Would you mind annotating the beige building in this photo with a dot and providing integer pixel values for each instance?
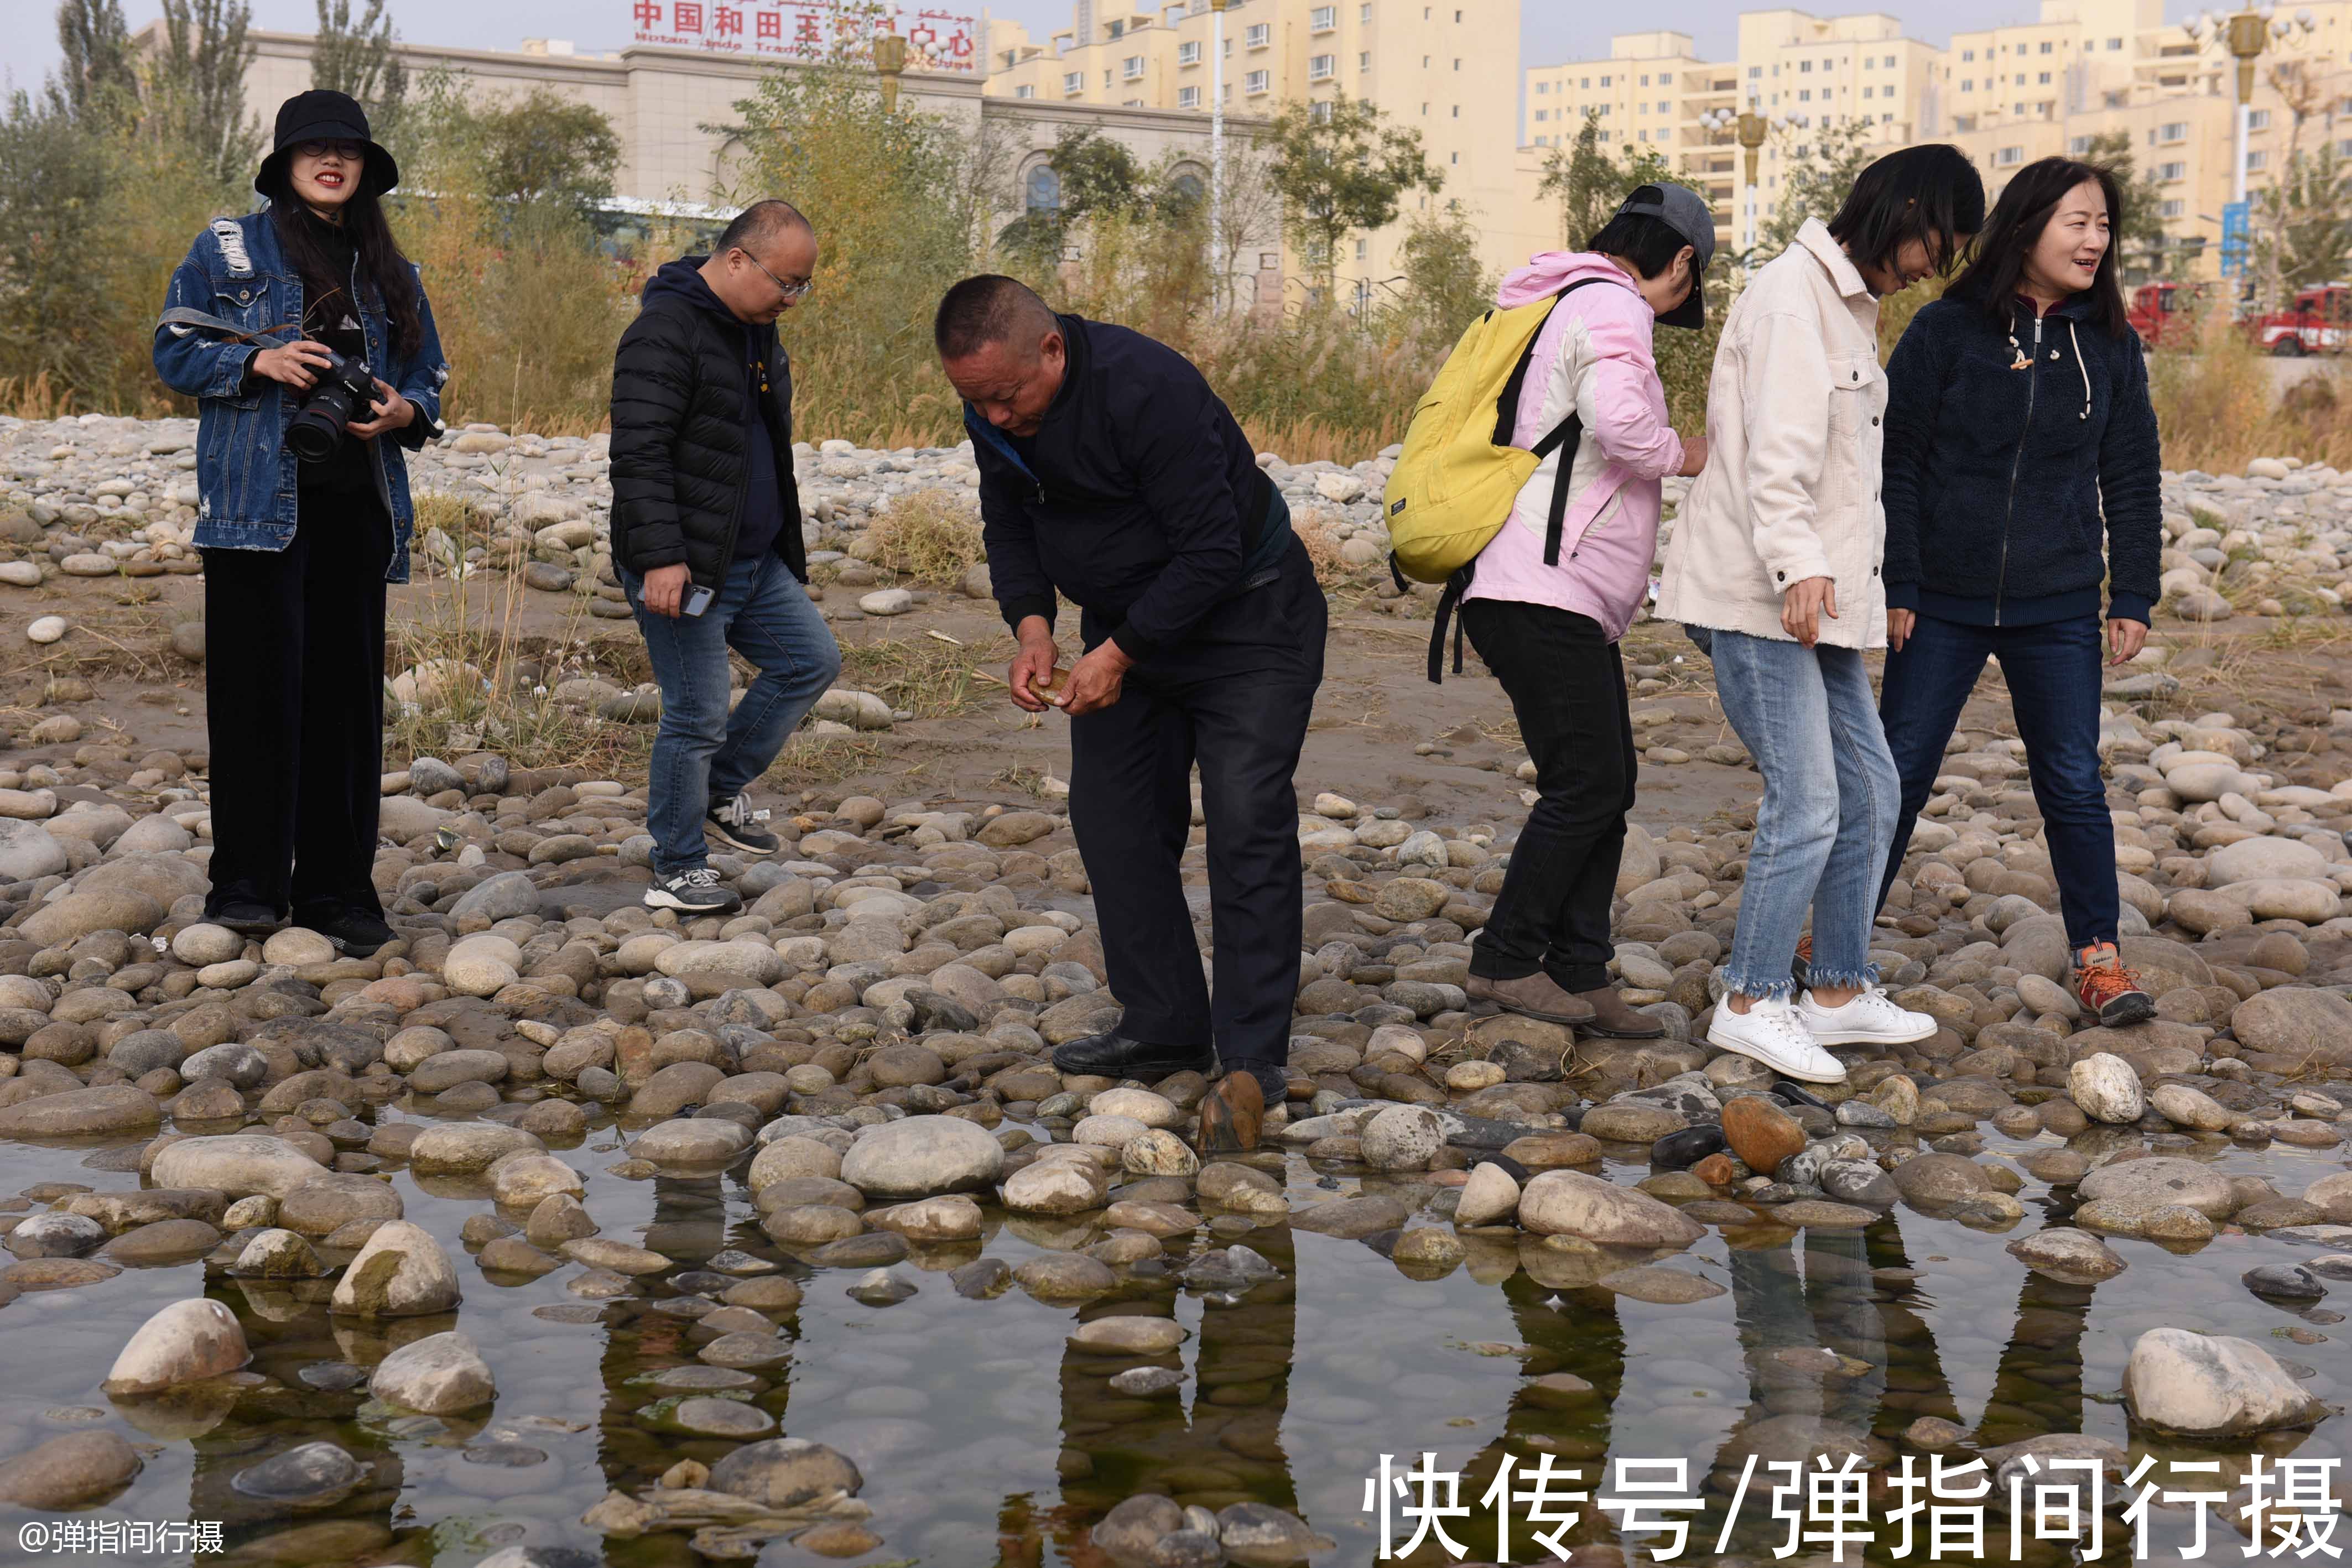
(2081, 71)
(660, 98)
(1439, 67)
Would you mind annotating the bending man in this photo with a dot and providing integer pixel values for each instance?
(1110, 471)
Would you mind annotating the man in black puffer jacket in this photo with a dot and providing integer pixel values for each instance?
(1110, 471)
(706, 539)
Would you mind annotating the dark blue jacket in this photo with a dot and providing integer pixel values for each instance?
(1995, 476)
(1138, 497)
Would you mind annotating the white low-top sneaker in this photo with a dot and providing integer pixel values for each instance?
(1772, 1033)
(1870, 1019)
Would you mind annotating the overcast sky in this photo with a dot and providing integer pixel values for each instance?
(1551, 30)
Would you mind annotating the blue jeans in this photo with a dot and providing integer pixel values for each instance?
(2053, 672)
(1828, 812)
(704, 755)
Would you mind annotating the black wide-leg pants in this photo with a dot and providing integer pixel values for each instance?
(294, 704)
(1235, 696)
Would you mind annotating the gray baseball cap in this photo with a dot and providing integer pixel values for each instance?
(1685, 211)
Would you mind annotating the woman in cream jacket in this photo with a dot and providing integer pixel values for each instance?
(1775, 560)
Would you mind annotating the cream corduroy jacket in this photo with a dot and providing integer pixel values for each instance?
(1792, 485)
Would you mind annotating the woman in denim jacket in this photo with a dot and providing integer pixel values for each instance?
(297, 552)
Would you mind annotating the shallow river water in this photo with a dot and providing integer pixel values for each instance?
(984, 1438)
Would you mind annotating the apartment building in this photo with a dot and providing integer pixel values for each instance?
(1448, 68)
(2079, 74)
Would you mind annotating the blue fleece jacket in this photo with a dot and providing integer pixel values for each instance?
(2011, 492)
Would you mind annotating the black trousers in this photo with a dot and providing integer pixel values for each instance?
(1567, 685)
(1235, 696)
(294, 704)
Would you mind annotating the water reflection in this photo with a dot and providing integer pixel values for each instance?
(985, 1435)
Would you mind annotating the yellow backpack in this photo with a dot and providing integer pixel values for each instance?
(1458, 475)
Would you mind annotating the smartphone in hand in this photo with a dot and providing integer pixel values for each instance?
(698, 599)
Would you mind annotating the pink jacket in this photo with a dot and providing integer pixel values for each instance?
(1593, 356)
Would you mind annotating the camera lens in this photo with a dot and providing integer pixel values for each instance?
(314, 432)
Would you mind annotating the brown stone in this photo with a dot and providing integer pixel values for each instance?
(1760, 1133)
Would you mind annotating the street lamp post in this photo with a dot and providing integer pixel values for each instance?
(1217, 134)
(2246, 36)
(890, 60)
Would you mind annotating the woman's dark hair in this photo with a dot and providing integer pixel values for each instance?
(380, 260)
(1651, 244)
(1930, 193)
(1996, 267)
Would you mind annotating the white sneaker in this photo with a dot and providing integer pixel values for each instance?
(1772, 1033)
(1870, 1019)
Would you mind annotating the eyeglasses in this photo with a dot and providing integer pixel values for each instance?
(791, 291)
(349, 152)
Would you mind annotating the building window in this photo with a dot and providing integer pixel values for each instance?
(1967, 56)
(2077, 146)
(1322, 67)
(2173, 131)
(1967, 84)
(1364, 13)
(1132, 67)
(1025, 90)
(1645, 80)
(1323, 18)
(1187, 97)
(1457, 111)
(2009, 157)
(1117, 29)
(1870, 92)
(2257, 159)
(1042, 192)
(2173, 209)
(1188, 54)
(2174, 171)
(1364, 60)
(1254, 83)
(2260, 120)
(1074, 81)
(1805, 66)
(2046, 46)
(1806, 96)
(1260, 33)
(1604, 81)
(1319, 113)
(2044, 81)
(1755, 72)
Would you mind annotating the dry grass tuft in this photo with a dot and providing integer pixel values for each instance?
(928, 535)
(928, 677)
(1314, 531)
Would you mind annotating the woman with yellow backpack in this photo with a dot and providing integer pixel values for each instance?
(1549, 595)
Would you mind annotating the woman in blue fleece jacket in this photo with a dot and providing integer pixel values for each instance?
(2021, 471)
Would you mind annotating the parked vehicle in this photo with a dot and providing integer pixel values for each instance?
(2165, 314)
(2318, 321)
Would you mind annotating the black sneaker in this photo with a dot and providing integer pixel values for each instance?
(696, 892)
(353, 933)
(246, 918)
(738, 825)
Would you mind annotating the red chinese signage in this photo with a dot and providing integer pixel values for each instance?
(937, 40)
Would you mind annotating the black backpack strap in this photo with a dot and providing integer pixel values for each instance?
(1448, 603)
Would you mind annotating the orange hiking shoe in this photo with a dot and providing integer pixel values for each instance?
(2110, 993)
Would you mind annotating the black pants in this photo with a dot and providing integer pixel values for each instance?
(1567, 685)
(1234, 695)
(294, 704)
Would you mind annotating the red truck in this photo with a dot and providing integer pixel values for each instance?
(2319, 321)
(2165, 314)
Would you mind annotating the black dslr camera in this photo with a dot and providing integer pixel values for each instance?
(345, 387)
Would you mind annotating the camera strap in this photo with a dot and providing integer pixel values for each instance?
(181, 317)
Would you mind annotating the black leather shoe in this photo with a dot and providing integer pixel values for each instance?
(246, 918)
(1114, 1055)
(356, 933)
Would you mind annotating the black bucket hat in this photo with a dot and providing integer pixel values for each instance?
(321, 116)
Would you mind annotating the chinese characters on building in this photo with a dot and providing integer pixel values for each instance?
(937, 40)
